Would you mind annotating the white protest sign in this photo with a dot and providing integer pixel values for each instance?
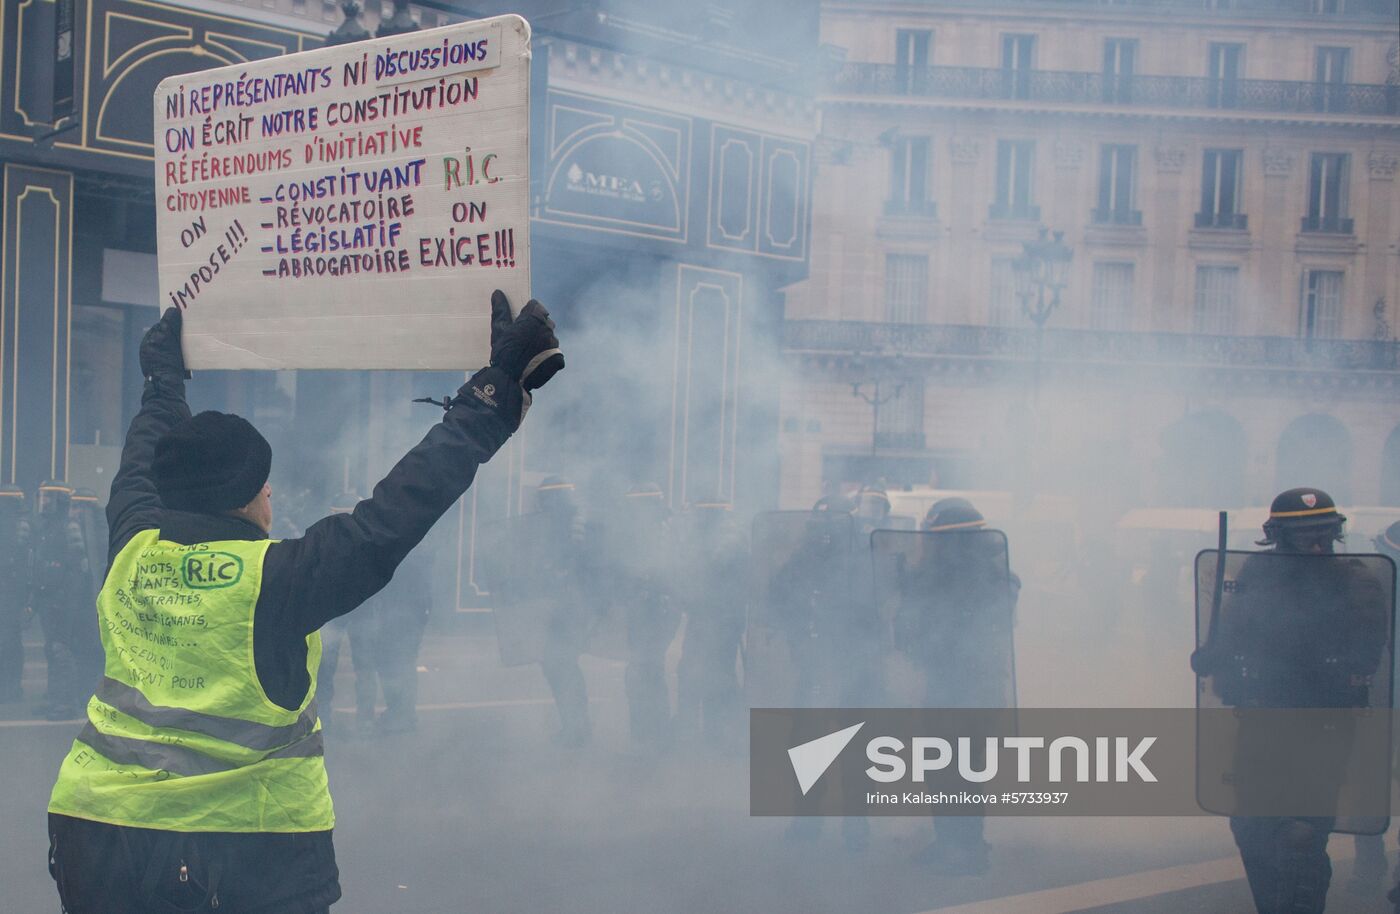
(348, 207)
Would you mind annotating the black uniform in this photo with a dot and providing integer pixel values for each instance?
(61, 596)
(953, 620)
(714, 596)
(15, 553)
(1305, 632)
(385, 635)
(636, 573)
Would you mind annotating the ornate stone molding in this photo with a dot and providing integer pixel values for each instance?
(1170, 159)
(965, 149)
(1278, 163)
(1382, 165)
(1068, 155)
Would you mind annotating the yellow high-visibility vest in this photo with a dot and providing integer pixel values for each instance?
(180, 735)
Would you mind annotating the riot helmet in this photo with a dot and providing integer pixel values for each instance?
(55, 498)
(1388, 542)
(827, 514)
(834, 505)
(555, 495)
(11, 500)
(1303, 520)
(952, 514)
(345, 502)
(872, 504)
(85, 498)
(645, 500)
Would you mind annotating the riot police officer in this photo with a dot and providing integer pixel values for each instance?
(15, 550)
(1300, 634)
(570, 619)
(92, 523)
(60, 584)
(639, 567)
(954, 617)
(713, 587)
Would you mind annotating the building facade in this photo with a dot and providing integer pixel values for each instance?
(670, 165)
(1224, 171)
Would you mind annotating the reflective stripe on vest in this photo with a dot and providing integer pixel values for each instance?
(180, 734)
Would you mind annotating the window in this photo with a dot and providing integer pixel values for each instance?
(1224, 74)
(1321, 315)
(1002, 306)
(1221, 178)
(899, 421)
(1330, 78)
(1016, 65)
(1111, 305)
(911, 59)
(1327, 194)
(909, 160)
(1117, 179)
(1119, 55)
(906, 288)
(1015, 160)
(1216, 288)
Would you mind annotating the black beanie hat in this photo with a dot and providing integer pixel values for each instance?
(211, 463)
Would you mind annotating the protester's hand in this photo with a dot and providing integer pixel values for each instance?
(161, 356)
(525, 347)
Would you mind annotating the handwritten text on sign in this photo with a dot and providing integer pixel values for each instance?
(349, 207)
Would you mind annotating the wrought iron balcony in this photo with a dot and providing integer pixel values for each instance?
(1329, 225)
(1024, 212)
(1117, 216)
(912, 209)
(1237, 222)
(1088, 346)
(1066, 87)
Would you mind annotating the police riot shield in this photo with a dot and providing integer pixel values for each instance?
(1295, 670)
(950, 599)
(796, 644)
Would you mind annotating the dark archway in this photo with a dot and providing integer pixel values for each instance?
(1315, 450)
(1390, 469)
(1203, 461)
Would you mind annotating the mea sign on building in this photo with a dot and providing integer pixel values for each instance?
(349, 207)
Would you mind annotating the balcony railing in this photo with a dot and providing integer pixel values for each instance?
(1237, 222)
(1025, 212)
(913, 209)
(1065, 87)
(1330, 225)
(1117, 216)
(1103, 346)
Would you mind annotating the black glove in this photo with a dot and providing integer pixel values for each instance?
(161, 357)
(525, 348)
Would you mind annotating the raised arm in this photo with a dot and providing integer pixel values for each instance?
(344, 559)
(133, 504)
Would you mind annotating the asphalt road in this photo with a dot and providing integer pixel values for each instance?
(478, 812)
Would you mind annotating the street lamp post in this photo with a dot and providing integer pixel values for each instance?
(875, 398)
(1041, 274)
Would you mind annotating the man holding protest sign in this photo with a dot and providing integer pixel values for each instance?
(198, 783)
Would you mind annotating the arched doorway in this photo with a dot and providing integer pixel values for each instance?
(1203, 461)
(1390, 469)
(1315, 450)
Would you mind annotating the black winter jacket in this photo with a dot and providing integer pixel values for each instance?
(341, 561)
